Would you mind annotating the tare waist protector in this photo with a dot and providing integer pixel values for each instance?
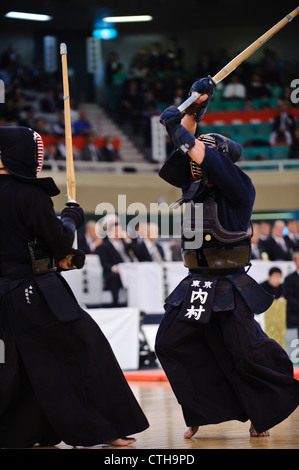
(219, 248)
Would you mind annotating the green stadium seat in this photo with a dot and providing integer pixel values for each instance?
(251, 153)
(279, 153)
(246, 137)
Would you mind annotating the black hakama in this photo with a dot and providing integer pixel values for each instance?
(60, 380)
(225, 369)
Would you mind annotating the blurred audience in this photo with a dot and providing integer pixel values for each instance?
(117, 247)
(149, 249)
(256, 247)
(291, 293)
(284, 125)
(234, 90)
(91, 152)
(113, 67)
(82, 126)
(274, 284)
(264, 230)
(275, 245)
(292, 236)
(257, 88)
(109, 153)
(89, 242)
(156, 78)
(294, 147)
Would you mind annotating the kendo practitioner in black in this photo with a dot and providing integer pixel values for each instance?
(60, 380)
(219, 362)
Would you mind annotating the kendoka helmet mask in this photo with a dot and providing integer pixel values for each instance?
(39, 151)
(219, 142)
(22, 155)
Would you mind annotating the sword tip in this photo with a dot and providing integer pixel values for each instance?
(63, 48)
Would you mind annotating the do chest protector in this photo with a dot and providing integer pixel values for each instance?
(220, 249)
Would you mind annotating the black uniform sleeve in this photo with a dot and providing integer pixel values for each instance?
(290, 293)
(42, 221)
(228, 177)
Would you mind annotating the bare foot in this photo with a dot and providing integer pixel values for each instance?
(126, 441)
(190, 432)
(254, 433)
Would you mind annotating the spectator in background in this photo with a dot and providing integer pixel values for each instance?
(174, 56)
(9, 111)
(27, 118)
(112, 68)
(116, 248)
(275, 246)
(294, 147)
(91, 152)
(19, 98)
(256, 248)
(284, 124)
(264, 231)
(58, 127)
(10, 57)
(41, 126)
(139, 64)
(156, 59)
(49, 104)
(273, 284)
(292, 237)
(257, 89)
(175, 248)
(51, 156)
(149, 249)
(130, 105)
(89, 242)
(280, 138)
(108, 153)
(150, 108)
(205, 65)
(234, 90)
(61, 148)
(82, 126)
(271, 67)
(291, 293)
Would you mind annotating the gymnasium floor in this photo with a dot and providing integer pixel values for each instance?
(167, 425)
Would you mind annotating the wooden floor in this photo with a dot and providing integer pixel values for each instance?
(167, 426)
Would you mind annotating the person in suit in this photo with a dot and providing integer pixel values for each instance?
(291, 293)
(89, 241)
(275, 246)
(91, 152)
(292, 237)
(116, 248)
(149, 249)
(256, 247)
(284, 123)
(108, 153)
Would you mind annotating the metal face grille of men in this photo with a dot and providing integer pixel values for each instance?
(220, 363)
(60, 380)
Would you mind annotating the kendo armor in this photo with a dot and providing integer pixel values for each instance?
(220, 249)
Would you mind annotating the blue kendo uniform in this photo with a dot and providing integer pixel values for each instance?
(219, 362)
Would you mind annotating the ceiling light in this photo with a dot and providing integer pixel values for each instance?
(104, 33)
(127, 19)
(27, 16)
